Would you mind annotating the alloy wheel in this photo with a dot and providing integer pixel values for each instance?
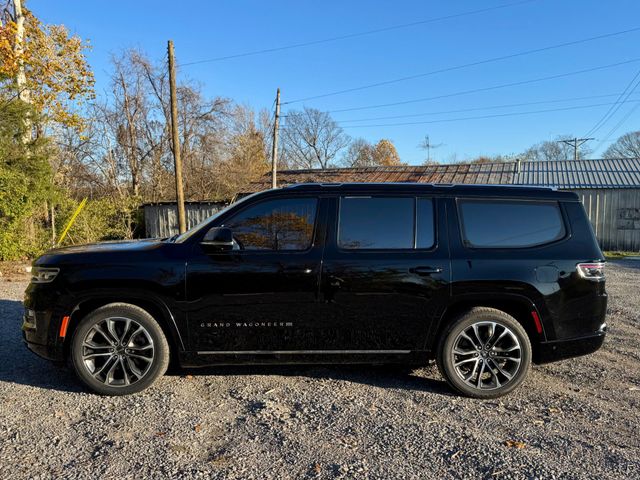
(486, 355)
(118, 351)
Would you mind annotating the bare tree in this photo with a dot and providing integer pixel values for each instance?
(359, 154)
(125, 149)
(312, 139)
(247, 151)
(626, 146)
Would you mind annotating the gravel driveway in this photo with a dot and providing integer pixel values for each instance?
(575, 419)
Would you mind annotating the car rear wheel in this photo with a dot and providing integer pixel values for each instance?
(485, 353)
(119, 349)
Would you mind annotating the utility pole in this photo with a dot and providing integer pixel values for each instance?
(175, 141)
(575, 143)
(274, 146)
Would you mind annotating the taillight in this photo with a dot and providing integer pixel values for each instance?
(591, 270)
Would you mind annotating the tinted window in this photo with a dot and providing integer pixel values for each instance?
(510, 223)
(376, 222)
(425, 228)
(285, 224)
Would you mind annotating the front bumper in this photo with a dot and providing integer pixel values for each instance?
(39, 332)
(553, 351)
(48, 352)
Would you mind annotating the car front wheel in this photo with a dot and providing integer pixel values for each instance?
(485, 353)
(119, 349)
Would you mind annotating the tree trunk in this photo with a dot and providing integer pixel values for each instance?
(21, 79)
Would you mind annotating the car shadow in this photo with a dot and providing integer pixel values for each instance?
(20, 366)
(384, 376)
(626, 262)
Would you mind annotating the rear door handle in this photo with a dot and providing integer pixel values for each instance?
(306, 269)
(424, 271)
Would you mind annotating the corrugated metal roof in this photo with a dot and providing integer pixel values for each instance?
(604, 173)
(616, 173)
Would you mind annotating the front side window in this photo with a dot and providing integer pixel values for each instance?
(282, 224)
(509, 223)
(376, 223)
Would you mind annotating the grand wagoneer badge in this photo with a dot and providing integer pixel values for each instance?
(245, 324)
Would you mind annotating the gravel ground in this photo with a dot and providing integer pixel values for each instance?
(574, 419)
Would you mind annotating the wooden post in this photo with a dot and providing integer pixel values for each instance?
(175, 141)
(274, 147)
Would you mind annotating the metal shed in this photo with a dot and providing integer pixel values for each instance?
(161, 219)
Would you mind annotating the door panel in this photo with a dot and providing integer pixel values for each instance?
(247, 300)
(384, 299)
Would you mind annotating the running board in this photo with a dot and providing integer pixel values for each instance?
(304, 352)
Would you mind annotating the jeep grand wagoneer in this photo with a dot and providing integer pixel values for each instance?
(483, 279)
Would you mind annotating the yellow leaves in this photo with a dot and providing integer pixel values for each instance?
(515, 444)
(57, 72)
(385, 154)
(8, 59)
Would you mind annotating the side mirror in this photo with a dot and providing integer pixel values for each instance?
(219, 238)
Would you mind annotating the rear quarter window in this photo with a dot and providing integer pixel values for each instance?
(510, 223)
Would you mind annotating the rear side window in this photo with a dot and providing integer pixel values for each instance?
(283, 224)
(510, 224)
(367, 223)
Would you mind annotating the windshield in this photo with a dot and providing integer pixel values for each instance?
(192, 231)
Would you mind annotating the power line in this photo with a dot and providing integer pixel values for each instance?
(621, 122)
(475, 109)
(616, 127)
(356, 34)
(613, 109)
(480, 117)
(466, 65)
(485, 89)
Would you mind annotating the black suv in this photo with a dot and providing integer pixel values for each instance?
(485, 279)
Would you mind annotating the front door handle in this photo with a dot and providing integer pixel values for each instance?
(425, 271)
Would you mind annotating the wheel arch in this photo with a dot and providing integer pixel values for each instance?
(518, 306)
(149, 302)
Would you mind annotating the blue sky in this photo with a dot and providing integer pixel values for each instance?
(206, 29)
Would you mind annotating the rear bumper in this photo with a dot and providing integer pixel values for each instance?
(553, 351)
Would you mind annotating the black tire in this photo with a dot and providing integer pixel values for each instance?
(137, 359)
(505, 365)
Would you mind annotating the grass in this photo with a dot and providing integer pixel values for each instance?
(616, 255)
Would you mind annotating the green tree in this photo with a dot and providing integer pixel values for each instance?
(25, 185)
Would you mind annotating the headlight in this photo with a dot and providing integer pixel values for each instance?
(43, 275)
